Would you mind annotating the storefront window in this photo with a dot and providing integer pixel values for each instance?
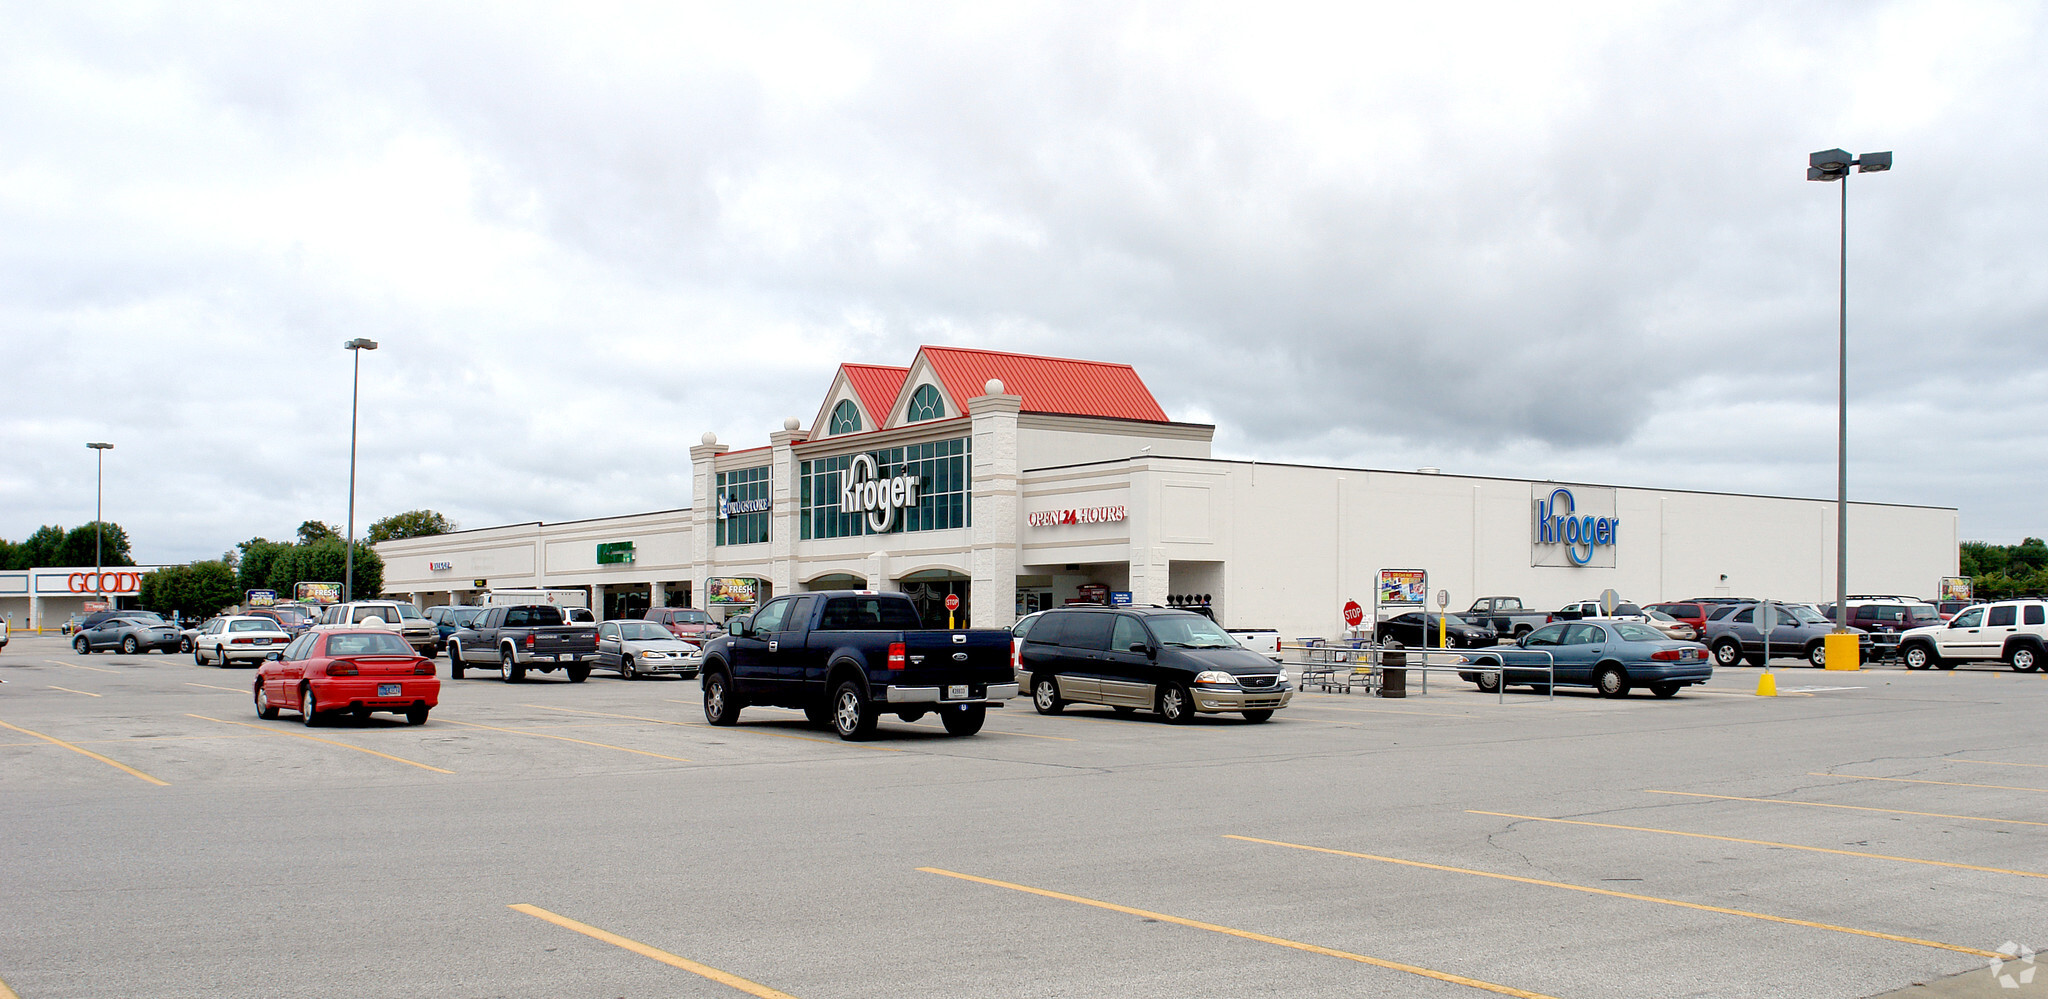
(845, 418)
(743, 506)
(942, 500)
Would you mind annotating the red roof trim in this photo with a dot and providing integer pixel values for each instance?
(1053, 385)
(877, 386)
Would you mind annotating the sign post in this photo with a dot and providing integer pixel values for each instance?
(1443, 624)
(952, 604)
(1766, 619)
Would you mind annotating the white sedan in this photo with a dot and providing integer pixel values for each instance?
(225, 639)
(637, 648)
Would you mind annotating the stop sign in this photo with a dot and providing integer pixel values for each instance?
(952, 601)
(1354, 615)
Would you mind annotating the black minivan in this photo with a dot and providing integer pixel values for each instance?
(1174, 662)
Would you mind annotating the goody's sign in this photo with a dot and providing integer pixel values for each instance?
(1573, 526)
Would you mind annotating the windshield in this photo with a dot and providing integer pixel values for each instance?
(408, 611)
(691, 617)
(462, 618)
(367, 644)
(1804, 614)
(143, 616)
(1631, 632)
(1925, 614)
(642, 631)
(1191, 631)
(251, 624)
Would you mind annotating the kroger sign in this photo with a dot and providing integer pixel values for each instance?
(865, 491)
(1574, 527)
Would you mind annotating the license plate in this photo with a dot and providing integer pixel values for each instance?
(956, 693)
(543, 659)
(387, 690)
(263, 641)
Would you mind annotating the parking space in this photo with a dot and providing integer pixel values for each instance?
(551, 838)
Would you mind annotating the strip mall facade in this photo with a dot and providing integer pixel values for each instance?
(1016, 483)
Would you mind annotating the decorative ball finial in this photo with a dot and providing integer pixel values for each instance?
(709, 437)
(994, 386)
(792, 423)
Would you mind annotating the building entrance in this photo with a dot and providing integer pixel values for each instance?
(929, 591)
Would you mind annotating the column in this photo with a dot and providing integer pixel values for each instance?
(703, 514)
(992, 586)
(657, 595)
(1148, 554)
(783, 511)
(597, 600)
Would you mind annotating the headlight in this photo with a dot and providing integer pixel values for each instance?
(1215, 676)
(1283, 676)
(649, 654)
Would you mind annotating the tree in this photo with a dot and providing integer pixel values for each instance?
(78, 546)
(314, 531)
(195, 591)
(410, 524)
(323, 562)
(258, 557)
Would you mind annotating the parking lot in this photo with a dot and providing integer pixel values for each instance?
(1861, 833)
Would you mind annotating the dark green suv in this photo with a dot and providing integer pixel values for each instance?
(1175, 662)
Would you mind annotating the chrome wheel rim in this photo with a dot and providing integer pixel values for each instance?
(262, 698)
(714, 699)
(846, 711)
(1170, 703)
(306, 706)
(1043, 693)
(2023, 660)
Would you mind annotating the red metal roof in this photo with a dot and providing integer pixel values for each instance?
(1056, 385)
(877, 386)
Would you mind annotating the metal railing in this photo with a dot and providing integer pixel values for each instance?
(1340, 666)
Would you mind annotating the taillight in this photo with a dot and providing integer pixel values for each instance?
(423, 667)
(341, 668)
(243, 641)
(896, 657)
(1016, 655)
(529, 641)
(1668, 655)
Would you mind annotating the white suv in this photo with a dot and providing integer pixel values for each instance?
(397, 615)
(2015, 631)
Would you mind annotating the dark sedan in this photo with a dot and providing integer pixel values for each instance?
(1417, 630)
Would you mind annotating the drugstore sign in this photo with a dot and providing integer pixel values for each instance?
(1573, 526)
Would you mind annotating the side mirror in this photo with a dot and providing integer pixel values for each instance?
(738, 627)
(1142, 647)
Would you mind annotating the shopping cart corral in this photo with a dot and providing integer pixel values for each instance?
(1383, 670)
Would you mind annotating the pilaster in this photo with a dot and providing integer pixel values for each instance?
(993, 558)
(703, 512)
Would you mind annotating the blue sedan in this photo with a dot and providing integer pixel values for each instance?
(1610, 656)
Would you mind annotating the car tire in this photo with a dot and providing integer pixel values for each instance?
(626, 670)
(578, 674)
(2026, 659)
(198, 658)
(416, 716)
(1610, 681)
(1817, 655)
(264, 709)
(84, 647)
(1255, 717)
(309, 709)
(1665, 690)
(1726, 652)
(1045, 695)
(509, 668)
(129, 646)
(454, 661)
(852, 717)
(1521, 632)
(185, 645)
(719, 706)
(1174, 704)
(1488, 682)
(964, 721)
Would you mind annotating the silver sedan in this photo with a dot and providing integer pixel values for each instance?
(638, 648)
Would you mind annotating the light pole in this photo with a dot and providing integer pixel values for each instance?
(1833, 165)
(348, 573)
(99, 491)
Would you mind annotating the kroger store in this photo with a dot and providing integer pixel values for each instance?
(1018, 483)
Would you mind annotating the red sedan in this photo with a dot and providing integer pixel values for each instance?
(359, 670)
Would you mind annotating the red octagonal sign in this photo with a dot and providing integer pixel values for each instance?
(1354, 615)
(952, 601)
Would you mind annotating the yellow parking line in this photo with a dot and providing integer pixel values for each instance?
(1630, 895)
(1763, 842)
(1859, 808)
(564, 738)
(330, 742)
(751, 988)
(68, 690)
(1945, 783)
(123, 767)
(96, 669)
(1442, 976)
(144, 738)
(2002, 763)
(7, 993)
(209, 686)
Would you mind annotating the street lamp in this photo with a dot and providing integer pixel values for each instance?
(99, 491)
(348, 574)
(1833, 165)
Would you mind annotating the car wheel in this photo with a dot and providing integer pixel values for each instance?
(1817, 655)
(309, 710)
(1521, 631)
(416, 716)
(184, 645)
(129, 646)
(1726, 652)
(719, 706)
(454, 660)
(84, 647)
(626, 669)
(509, 668)
(964, 721)
(1045, 695)
(264, 709)
(1488, 682)
(1611, 682)
(1665, 689)
(851, 716)
(1258, 716)
(2026, 659)
(198, 658)
(1174, 705)
(578, 674)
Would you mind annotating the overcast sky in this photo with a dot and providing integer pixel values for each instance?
(1569, 242)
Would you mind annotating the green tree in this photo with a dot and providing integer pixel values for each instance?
(195, 591)
(42, 548)
(410, 524)
(314, 531)
(323, 562)
(78, 546)
(258, 558)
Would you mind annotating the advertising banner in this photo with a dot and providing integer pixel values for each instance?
(1956, 588)
(317, 593)
(729, 590)
(260, 598)
(1403, 586)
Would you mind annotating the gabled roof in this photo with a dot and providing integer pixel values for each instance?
(1054, 385)
(877, 385)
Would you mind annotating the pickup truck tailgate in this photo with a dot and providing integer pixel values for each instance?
(946, 658)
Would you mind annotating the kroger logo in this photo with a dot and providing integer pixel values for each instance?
(1558, 522)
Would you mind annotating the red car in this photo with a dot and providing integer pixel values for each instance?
(358, 670)
(1690, 611)
(686, 623)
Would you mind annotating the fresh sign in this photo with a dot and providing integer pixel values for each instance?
(865, 491)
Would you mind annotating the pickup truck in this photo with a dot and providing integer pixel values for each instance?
(1505, 616)
(524, 637)
(846, 656)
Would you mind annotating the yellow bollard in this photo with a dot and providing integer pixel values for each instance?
(1843, 651)
(1766, 685)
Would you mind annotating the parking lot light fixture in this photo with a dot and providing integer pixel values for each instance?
(99, 490)
(348, 572)
(1833, 165)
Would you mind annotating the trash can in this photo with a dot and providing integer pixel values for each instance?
(1393, 673)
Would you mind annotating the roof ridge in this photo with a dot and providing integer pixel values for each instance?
(1031, 357)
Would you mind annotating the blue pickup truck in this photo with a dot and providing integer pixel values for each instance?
(847, 656)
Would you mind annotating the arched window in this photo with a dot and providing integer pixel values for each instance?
(845, 418)
(925, 404)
